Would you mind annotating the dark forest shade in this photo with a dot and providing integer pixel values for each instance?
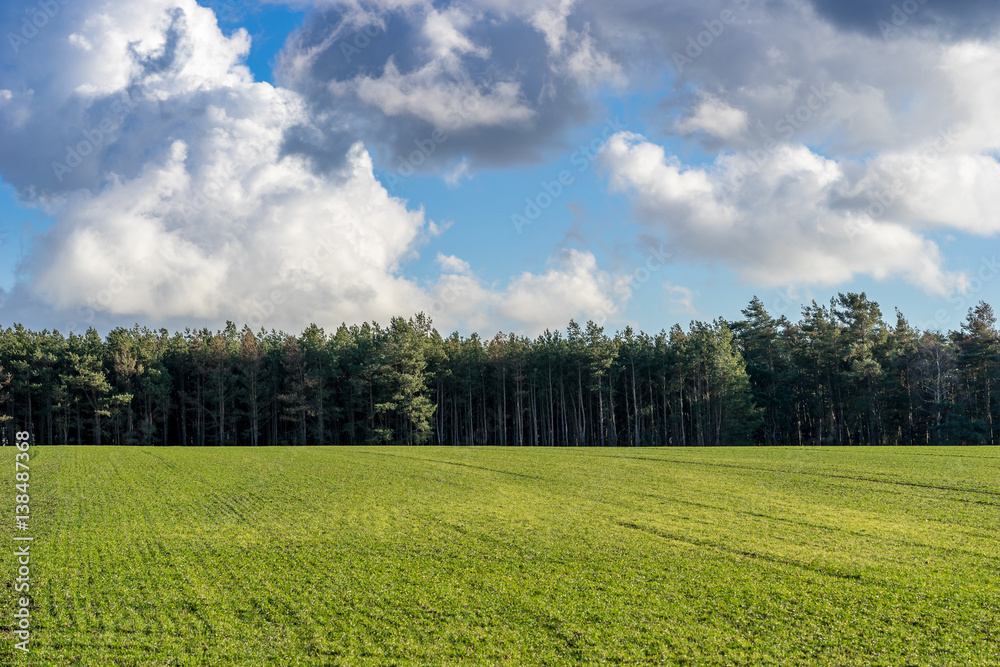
(839, 376)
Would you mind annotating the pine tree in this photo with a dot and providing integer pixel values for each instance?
(978, 346)
(88, 381)
(250, 371)
(403, 382)
(4, 397)
(763, 347)
(863, 334)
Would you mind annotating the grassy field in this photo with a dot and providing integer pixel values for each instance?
(395, 556)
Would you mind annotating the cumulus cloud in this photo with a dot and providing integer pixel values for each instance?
(826, 168)
(572, 286)
(183, 188)
(794, 70)
(176, 201)
(501, 81)
(272, 243)
(773, 222)
(78, 115)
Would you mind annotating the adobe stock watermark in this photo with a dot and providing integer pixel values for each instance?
(426, 147)
(887, 197)
(656, 259)
(819, 96)
(550, 191)
(784, 300)
(120, 280)
(22, 552)
(364, 37)
(36, 19)
(210, 191)
(900, 16)
(260, 310)
(446, 297)
(229, 10)
(698, 43)
(94, 138)
(985, 274)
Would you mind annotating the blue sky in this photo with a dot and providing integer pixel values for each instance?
(287, 163)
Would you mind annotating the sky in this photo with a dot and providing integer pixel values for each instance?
(501, 165)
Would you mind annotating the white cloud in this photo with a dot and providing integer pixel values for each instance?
(574, 285)
(791, 214)
(446, 41)
(260, 240)
(664, 184)
(76, 39)
(216, 223)
(462, 171)
(503, 78)
(209, 219)
(773, 222)
(716, 118)
(443, 101)
(452, 265)
(681, 299)
(550, 19)
(440, 90)
(590, 66)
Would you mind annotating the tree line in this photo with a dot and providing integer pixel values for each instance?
(838, 376)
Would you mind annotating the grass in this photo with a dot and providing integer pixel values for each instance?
(436, 556)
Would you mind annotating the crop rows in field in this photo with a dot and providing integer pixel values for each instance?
(429, 556)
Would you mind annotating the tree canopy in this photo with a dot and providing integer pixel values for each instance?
(840, 375)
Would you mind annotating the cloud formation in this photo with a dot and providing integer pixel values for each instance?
(500, 80)
(774, 223)
(807, 144)
(177, 200)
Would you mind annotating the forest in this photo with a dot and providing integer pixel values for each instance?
(839, 376)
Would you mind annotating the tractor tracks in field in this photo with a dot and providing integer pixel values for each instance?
(959, 456)
(212, 511)
(803, 472)
(831, 529)
(455, 463)
(826, 571)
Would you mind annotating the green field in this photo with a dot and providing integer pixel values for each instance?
(436, 556)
